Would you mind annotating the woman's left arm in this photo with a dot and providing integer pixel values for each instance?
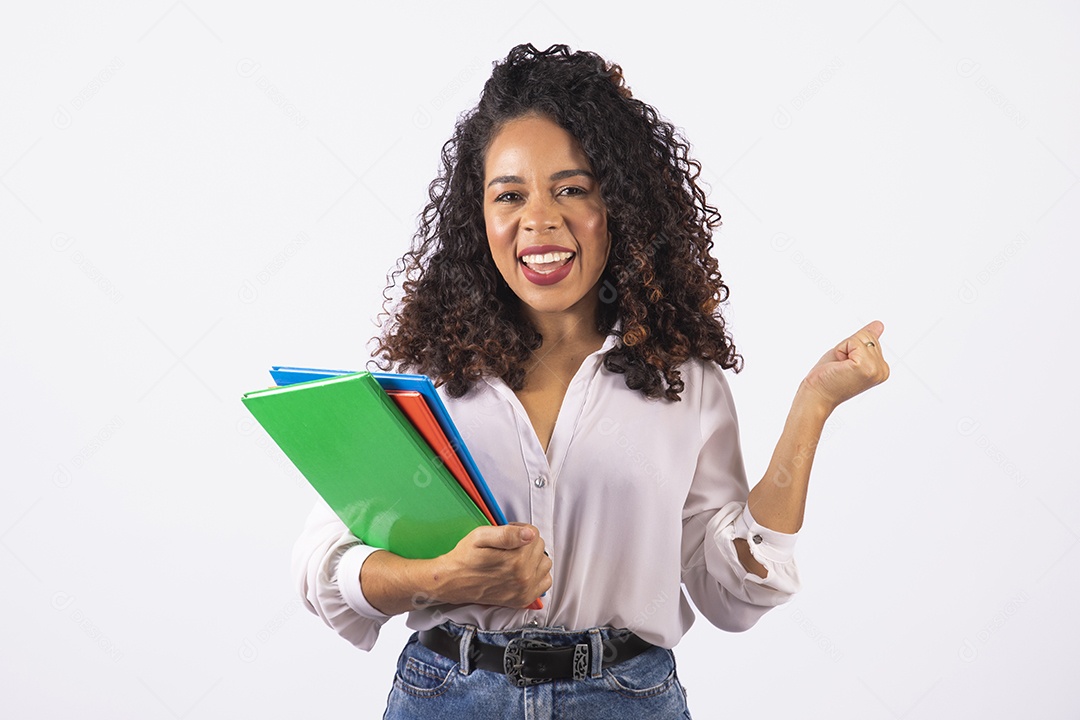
(778, 501)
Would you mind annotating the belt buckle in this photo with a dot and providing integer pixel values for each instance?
(513, 661)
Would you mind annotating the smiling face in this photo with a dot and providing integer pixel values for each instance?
(546, 224)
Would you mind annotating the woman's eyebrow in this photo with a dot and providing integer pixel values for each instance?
(561, 175)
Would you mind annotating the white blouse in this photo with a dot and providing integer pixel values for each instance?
(633, 498)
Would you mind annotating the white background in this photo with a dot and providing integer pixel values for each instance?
(190, 193)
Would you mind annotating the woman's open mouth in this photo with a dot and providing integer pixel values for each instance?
(546, 267)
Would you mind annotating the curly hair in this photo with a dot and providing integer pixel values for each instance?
(458, 319)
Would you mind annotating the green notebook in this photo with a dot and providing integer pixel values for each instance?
(348, 438)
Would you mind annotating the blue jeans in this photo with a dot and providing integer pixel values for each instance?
(428, 685)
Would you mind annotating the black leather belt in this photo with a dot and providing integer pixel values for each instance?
(527, 662)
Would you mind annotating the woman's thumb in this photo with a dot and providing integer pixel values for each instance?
(525, 533)
(509, 537)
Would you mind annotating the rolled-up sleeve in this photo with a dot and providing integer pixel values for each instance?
(326, 562)
(716, 514)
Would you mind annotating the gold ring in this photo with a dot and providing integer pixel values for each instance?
(871, 344)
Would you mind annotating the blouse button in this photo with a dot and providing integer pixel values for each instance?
(757, 539)
(534, 623)
(540, 481)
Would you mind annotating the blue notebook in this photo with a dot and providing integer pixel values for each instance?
(422, 384)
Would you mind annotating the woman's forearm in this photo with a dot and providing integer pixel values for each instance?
(779, 499)
(394, 585)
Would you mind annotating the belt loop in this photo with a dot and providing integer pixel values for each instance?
(596, 651)
(466, 650)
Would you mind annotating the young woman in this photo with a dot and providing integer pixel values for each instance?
(562, 294)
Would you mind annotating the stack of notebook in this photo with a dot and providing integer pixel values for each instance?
(381, 449)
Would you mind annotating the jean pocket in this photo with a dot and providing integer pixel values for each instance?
(649, 674)
(422, 673)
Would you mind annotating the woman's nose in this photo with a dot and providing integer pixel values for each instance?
(541, 215)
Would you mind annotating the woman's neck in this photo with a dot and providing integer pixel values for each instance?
(571, 331)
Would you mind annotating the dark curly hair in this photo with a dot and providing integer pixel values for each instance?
(458, 319)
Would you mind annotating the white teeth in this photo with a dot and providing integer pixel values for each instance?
(546, 258)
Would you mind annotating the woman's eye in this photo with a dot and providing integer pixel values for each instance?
(572, 191)
(507, 197)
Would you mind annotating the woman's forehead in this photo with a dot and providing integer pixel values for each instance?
(533, 142)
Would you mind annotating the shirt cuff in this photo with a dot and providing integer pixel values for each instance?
(765, 544)
(348, 582)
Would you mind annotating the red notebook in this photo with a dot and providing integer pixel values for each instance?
(416, 409)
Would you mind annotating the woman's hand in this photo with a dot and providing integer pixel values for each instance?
(503, 565)
(855, 365)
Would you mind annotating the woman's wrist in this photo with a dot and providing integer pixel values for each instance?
(811, 404)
